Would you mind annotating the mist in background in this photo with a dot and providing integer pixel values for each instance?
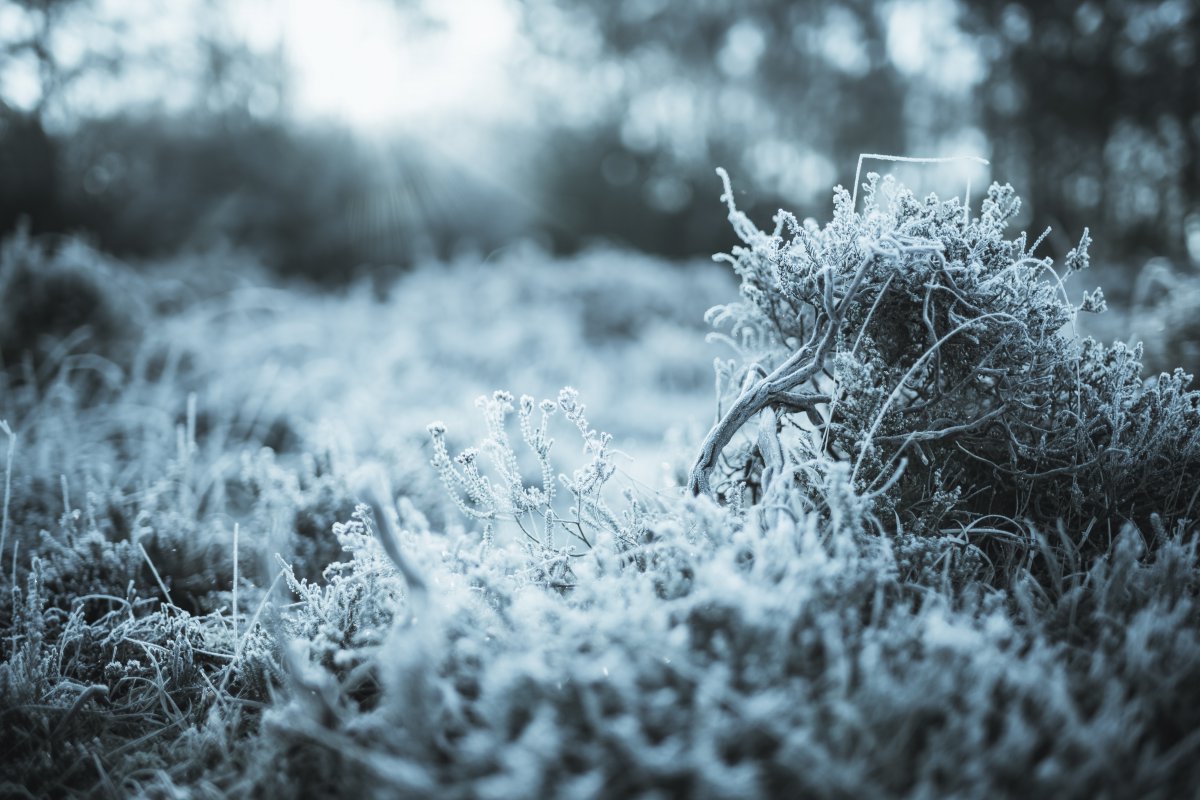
(338, 141)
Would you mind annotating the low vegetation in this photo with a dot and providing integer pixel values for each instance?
(934, 544)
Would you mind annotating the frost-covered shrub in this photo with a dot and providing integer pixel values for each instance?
(554, 525)
(53, 301)
(931, 353)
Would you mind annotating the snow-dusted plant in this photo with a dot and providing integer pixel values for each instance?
(554, 526)
(934, 355)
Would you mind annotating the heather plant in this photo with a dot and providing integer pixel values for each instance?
(554, 529)
(933, 354)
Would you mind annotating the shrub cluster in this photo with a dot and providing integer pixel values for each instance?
(936, 357)
(58, 299)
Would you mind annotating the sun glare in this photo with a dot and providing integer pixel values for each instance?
(373, 66)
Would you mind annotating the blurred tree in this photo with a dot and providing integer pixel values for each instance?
(1096, 106)
(1092, 108)
(30, 57)
(654, 93)
(31, 77)
(182, 137)
(28, 171)
(316, 203)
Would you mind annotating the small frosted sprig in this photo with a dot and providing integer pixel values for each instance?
(1079, 258)
(587, 480)
(1094, 302)
(479, 502)
(539, 442)
(502, 493)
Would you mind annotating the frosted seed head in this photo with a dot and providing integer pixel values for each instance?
(1094, 302)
